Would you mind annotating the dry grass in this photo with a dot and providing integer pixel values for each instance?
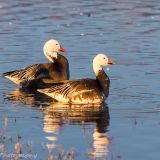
(18, 145)
(62, 155)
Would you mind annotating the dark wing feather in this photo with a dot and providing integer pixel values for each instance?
(69, 88)
(27, 73)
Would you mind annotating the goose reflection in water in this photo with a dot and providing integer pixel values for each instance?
(27, 97)
(57, 115)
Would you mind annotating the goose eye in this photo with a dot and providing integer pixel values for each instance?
(104, 58)
(56, 44)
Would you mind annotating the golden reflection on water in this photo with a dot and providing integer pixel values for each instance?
(57, 115)
(28, 97)
(100, 144)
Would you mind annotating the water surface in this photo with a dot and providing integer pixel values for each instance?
(128, 126)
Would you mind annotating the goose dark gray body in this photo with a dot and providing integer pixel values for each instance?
(81, 91)
(41, 75)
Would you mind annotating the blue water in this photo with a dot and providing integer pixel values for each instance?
(128, 126)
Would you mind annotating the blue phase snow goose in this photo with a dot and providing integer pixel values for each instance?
(41, 75)
(83, 91)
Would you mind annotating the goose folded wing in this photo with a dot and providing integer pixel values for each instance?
(70, 88)
(25, 73)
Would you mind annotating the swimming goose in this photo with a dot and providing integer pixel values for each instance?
(40, 75)
(83, 91)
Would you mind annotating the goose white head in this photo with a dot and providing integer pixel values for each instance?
(51, 49)
(100, 61)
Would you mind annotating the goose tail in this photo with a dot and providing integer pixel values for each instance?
(41, 90)
(7, 73)
(12, 75)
